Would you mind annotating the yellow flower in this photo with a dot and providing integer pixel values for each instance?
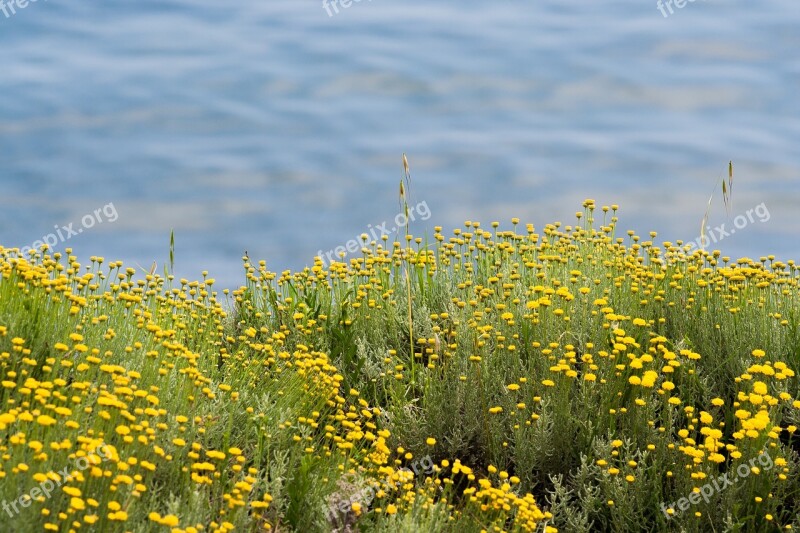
(44, 420)
(170, 520)
(72, 491)
(430, 441)
(77, 504)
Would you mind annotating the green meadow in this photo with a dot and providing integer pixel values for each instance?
(502, 377)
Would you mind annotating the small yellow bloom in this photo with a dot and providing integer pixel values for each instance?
(44, 420)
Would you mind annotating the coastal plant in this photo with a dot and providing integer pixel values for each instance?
(575, 378)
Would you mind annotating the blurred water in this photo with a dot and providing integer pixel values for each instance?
(273, 128)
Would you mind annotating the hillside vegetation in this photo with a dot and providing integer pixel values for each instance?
(573, 378)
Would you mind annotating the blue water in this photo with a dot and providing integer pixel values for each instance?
(274, 128)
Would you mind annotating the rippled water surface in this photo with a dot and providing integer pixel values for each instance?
(274, 128)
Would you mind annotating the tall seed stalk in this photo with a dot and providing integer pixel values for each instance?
(405, 186)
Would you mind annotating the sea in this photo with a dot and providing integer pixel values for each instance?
(276, 128)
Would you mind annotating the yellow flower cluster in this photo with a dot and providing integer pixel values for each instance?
(145, 401)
